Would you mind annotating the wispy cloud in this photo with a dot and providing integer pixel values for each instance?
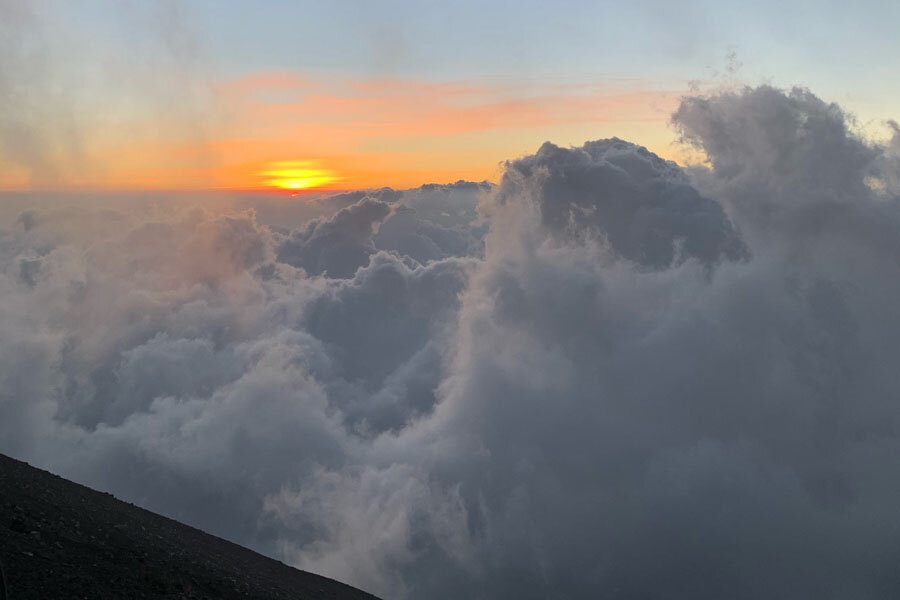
(373, 127)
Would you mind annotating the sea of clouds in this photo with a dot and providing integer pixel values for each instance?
(607, 376)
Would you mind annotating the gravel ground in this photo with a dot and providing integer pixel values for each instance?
(59, 539)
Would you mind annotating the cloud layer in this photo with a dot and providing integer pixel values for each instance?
(607, 376)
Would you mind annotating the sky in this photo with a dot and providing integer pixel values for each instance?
(653, 356)
(341, 95)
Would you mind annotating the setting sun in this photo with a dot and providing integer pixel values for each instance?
(298, 175)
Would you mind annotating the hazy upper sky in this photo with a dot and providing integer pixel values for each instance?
(206, 94)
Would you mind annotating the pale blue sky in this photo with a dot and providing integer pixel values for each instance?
(845, 51)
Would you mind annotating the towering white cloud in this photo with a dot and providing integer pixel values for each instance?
(611, 377)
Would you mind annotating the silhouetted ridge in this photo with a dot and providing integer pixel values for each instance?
(59, 539)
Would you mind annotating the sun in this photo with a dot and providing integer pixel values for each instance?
(298, 175)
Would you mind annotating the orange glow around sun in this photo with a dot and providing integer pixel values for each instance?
(296, 133)
(297, 175)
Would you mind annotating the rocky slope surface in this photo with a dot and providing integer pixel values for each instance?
(59, 539)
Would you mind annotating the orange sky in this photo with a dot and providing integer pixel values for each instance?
(363, 133)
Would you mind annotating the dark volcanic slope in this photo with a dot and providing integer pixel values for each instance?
(59, 539)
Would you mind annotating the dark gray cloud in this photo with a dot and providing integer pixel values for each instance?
(384, 330)
(353, 226)
(607, 377)
(338, 245)
(639, 204)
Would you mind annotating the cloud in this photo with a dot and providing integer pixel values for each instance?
(606, 376)
(888, 173)
(336, 246)
(355, 225)
(642, 206)
(434, 222)
(399, 107)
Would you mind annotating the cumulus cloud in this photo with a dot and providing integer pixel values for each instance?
(336, 246)
(434, 222)
(642, 206)
(422, 225)
(609, 376)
